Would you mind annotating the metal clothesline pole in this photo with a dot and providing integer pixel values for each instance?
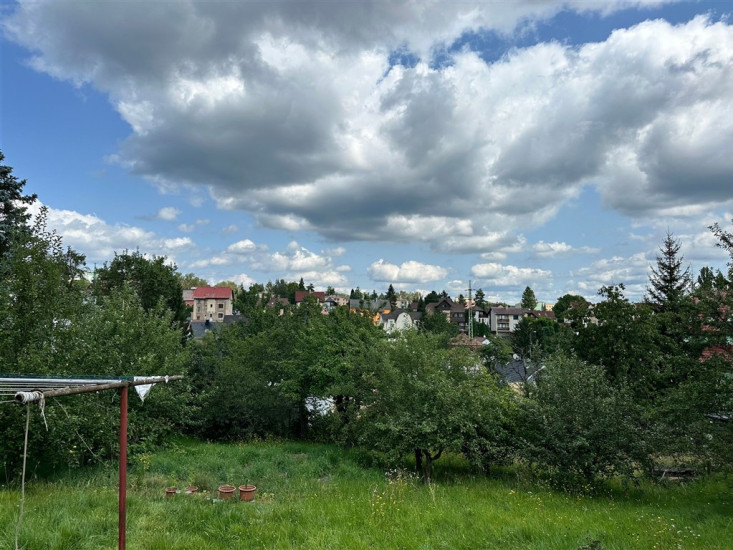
(122, 522)
(38, 395)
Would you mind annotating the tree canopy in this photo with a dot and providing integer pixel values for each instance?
(428, 400)
(153, 279)
(190, 280)
(567, 302)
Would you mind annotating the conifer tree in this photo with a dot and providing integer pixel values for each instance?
(529, 301)
(13, 212)
(668, 281)
(480, 299)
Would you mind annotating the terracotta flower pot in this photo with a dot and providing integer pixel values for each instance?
(226, 492)
(247, 492)
(191, 489)
(171, 491)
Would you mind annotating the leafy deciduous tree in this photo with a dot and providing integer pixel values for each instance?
(153, 279)
(231, 284)
(190, 280)
(622, 341)
(581, 426)
(570, 306)
(429, 400)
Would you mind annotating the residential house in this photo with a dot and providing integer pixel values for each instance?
(543, 314)
(301, 295)
(188, 297)
(329, 303)
(454, 312)
(212, 303)
(337, 300)
(481, 316)
(503, 320)
(401, 303)
(276, 301)
(399, 319)
(474, 344)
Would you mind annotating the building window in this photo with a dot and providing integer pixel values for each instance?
(503, 326)
(516, 317)
(221, 306)
(221, 316)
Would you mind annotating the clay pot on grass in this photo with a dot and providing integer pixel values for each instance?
(226, 492)
(247, 492)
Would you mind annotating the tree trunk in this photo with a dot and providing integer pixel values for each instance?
(427, 464)
(426, 468)
(303, 419)
(342, 407)
(418, 460)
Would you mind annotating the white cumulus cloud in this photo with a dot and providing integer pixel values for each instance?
(168, 213)
(496, 274)
(408, 272)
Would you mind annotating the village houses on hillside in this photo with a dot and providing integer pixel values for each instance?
(215, 305)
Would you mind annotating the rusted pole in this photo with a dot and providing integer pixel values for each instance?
(33, 396)
(123, 468)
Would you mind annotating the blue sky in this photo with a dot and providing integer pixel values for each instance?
(543, 144)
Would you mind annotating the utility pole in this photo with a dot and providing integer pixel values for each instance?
(470, 311)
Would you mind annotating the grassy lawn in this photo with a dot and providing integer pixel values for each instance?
(318, 496)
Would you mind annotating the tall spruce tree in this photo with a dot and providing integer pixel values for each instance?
(480, 299)
(529, 301)
(13, 212)
(668, 281)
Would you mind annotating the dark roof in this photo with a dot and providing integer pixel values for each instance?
(512, 372)
(199, 328)
(414, 315)
(445, 304)
(543, 314)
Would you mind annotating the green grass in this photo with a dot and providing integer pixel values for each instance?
(318, 496)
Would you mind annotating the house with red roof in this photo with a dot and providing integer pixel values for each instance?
(301, 295)
(212, 303)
